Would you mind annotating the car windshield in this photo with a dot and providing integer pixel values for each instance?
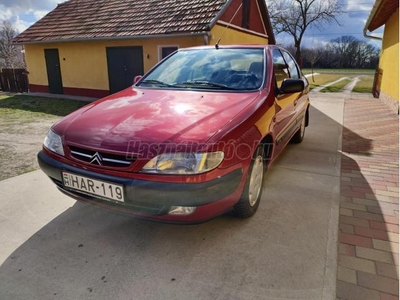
(214, 69)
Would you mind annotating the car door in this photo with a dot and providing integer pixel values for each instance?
(284, 103)
(299, 99)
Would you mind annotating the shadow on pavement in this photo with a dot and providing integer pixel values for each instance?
(88, 253)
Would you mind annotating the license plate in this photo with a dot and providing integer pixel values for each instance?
(93, 187)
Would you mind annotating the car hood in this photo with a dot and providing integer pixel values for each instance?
(150, 116)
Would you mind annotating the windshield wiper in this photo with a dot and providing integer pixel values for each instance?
(156, 82)
(206, 83)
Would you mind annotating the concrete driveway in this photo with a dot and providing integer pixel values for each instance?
(55, 248)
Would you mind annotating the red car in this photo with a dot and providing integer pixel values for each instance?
(190, 140)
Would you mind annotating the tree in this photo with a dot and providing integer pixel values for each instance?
(294, 17)
(354, 53)
(10, 54)
(313, 55)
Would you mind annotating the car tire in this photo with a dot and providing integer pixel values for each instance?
(299, 135)
(250, 199)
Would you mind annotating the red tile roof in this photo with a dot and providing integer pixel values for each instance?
(102, 19)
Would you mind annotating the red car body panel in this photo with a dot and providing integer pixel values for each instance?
(137, 120)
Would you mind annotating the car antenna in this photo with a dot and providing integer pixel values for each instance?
(227, 26)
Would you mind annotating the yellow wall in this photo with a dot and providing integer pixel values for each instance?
(84, 64)
(233, 36)
(389, 61)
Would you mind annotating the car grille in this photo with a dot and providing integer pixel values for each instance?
(98, 158)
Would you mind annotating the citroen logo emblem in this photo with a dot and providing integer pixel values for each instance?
(96, 159)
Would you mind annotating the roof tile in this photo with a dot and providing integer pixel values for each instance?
(89, 19)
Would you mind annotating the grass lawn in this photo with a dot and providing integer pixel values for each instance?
(24, 122)
(365, 85)
(28, 108)
(339, 71)
(337, 87)
(323, 79)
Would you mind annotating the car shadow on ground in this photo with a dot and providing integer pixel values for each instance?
(89, 253)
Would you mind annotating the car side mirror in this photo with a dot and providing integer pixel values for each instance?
(137, 78)
(290, 86)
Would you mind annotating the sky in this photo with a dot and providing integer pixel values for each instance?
(23, 13)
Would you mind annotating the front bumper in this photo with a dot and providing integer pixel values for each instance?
(151, 199)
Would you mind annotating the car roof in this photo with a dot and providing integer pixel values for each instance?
(233, 46)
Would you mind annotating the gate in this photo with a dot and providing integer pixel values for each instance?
(14, 80)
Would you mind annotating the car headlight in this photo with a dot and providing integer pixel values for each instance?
(53, 142)
(184, 163)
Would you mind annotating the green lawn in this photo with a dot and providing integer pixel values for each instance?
(323, 79)
(365, 85)
(24, 122)
(25, 109)
(339, 71)
(337, 87)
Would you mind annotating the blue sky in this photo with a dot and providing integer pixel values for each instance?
(23, 13)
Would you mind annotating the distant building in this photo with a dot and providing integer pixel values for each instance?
(386, 12)
(96, 47)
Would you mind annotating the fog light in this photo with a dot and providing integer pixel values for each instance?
(181, 210)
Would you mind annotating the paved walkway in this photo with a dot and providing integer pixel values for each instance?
(368, 236)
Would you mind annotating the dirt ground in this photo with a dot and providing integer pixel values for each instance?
(19, 145)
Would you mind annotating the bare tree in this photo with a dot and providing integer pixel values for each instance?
(353, 52)
(294, 17)
(10, 54)
(313, 55)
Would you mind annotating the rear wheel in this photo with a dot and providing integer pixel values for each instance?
(299, 135)
(250, 199)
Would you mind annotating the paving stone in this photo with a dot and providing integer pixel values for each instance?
(353, 206)
(379, 283)
(372, 254)
(373, 233)
(368, 216)
(353, 221)
(346, 228)
(356, 263)
(385, 246)
(388, 297)
(393, 237)
(347, 275)
(349, 291)
(347, 249)
(346, 212)
(356, 240)
(387, 270)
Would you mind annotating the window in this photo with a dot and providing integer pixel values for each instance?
(164, 51)
(281, 69)
(293, 70)
(246, 14)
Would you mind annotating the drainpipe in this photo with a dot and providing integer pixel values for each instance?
(371, 16)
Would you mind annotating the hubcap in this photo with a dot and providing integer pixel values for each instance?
(256, 178)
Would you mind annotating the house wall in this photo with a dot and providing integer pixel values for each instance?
(84, 64)
(234, 36)
(389, 63)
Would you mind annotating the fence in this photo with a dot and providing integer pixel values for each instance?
(14, 80)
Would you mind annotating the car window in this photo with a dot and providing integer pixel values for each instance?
(215, 69)
(281, 69)
(293, 70)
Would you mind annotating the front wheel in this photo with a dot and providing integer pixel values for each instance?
(250, 199)
(299, 135)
